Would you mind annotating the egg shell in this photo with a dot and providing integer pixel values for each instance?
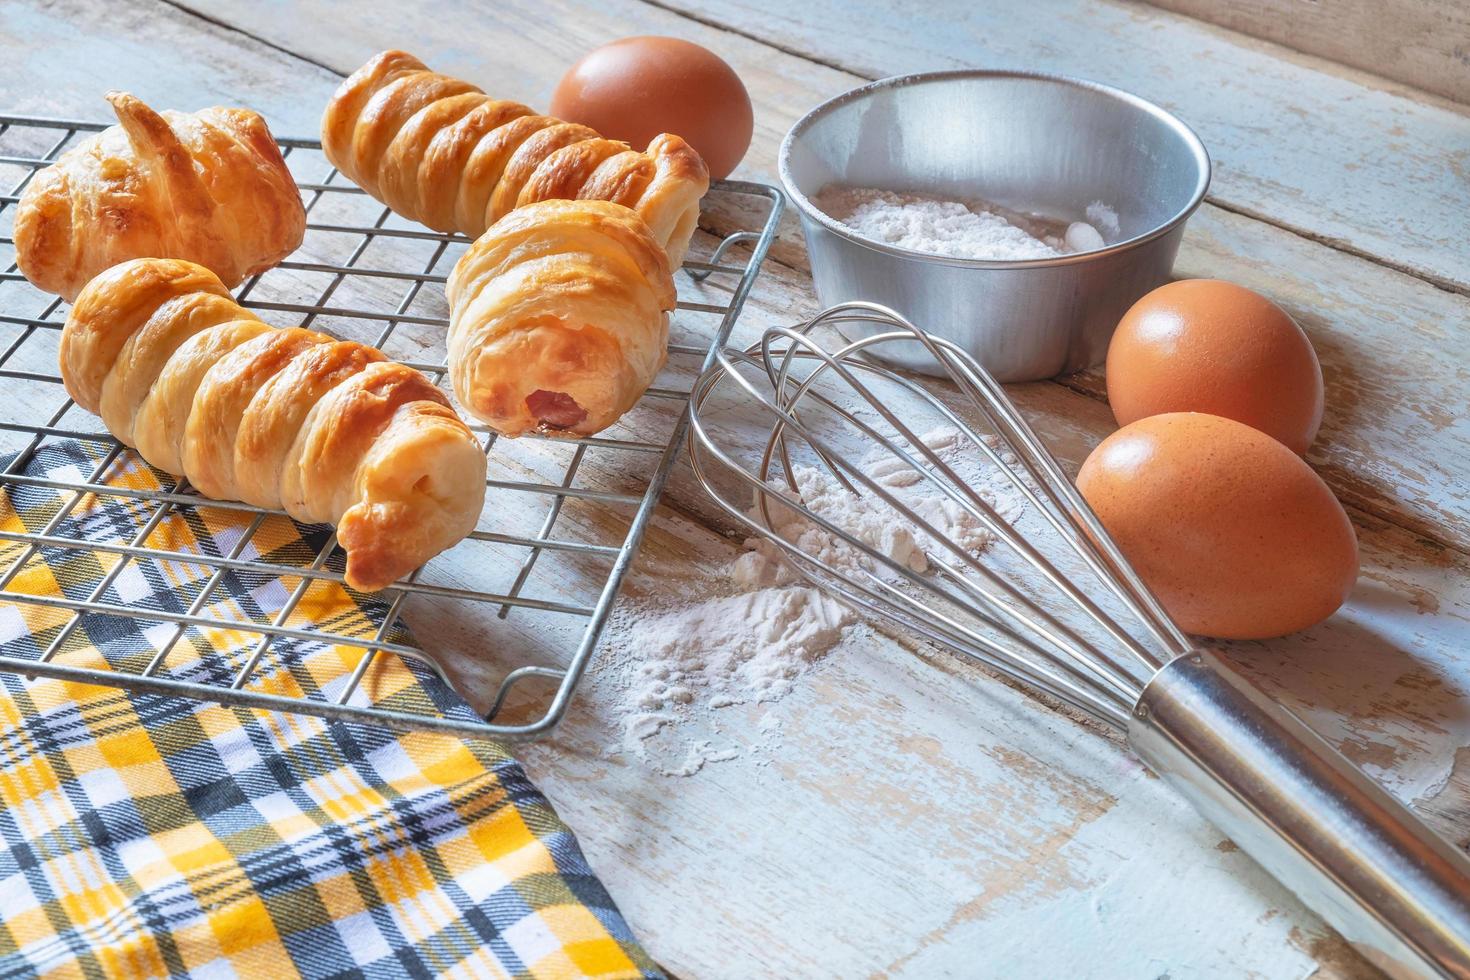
(1234, 533)
(1204, 345)
(636, 88)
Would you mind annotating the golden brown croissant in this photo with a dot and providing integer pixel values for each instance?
(208, 186)
(440, 151)
(330, 431)
(557, 317)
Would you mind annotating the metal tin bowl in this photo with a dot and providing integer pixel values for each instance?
(1032, 143)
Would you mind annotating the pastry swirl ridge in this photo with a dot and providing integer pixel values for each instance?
(330, 431)
(440, 151)
(208, 186)
(558, 317)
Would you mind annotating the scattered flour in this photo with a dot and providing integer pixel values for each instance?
(748, 646)
(959, 229)
(732, 649)
(1104, 219)
(868, 519)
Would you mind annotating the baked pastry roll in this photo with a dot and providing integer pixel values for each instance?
(439, 151)
(207, 186)
(558, 317)
(329, 431)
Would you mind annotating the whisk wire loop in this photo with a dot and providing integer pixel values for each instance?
(872, 594)
(1066, 511)
(1072, 671)
(953, 486)
(1083, 530)
(1014, 605)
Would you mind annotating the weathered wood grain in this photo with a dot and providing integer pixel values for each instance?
(1419, 42)
(914, 818)
(60, 59)
(1335, 156)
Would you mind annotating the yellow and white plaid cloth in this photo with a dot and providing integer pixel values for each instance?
(144, 835)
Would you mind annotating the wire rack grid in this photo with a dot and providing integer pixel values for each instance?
(367, 275)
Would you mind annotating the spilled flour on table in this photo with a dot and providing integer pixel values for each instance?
(676, 668)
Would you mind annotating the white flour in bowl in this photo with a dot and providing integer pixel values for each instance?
(963, 229)
(752, 640)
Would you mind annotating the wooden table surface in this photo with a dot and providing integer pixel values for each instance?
(915, 817)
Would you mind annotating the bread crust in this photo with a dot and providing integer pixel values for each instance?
(414, 139)
(328, 431)
(210, 187)
(559, 317)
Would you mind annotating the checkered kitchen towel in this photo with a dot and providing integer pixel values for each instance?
(144, 835)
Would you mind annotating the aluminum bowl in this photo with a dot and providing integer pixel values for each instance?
(1032, 143)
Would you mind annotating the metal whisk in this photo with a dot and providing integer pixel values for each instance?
(1054, 604)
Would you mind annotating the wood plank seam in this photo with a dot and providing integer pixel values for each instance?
(1338, 245)
(751, 36)
(263, 41)
(1416, 42)
(1385, 515)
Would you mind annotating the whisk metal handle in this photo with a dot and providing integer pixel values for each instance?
(1354, 854)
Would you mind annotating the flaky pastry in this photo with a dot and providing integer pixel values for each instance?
(558, 317)
(440, 151)
(208, 186)
(329, 431)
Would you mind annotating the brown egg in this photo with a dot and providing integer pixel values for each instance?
(1203, 345)
(634, 89)
(1233, 531)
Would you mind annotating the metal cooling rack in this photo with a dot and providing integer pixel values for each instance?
(362, 274)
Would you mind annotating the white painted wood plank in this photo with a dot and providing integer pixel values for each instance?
(1418, 42)
(60, 59)
(1335, 155)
